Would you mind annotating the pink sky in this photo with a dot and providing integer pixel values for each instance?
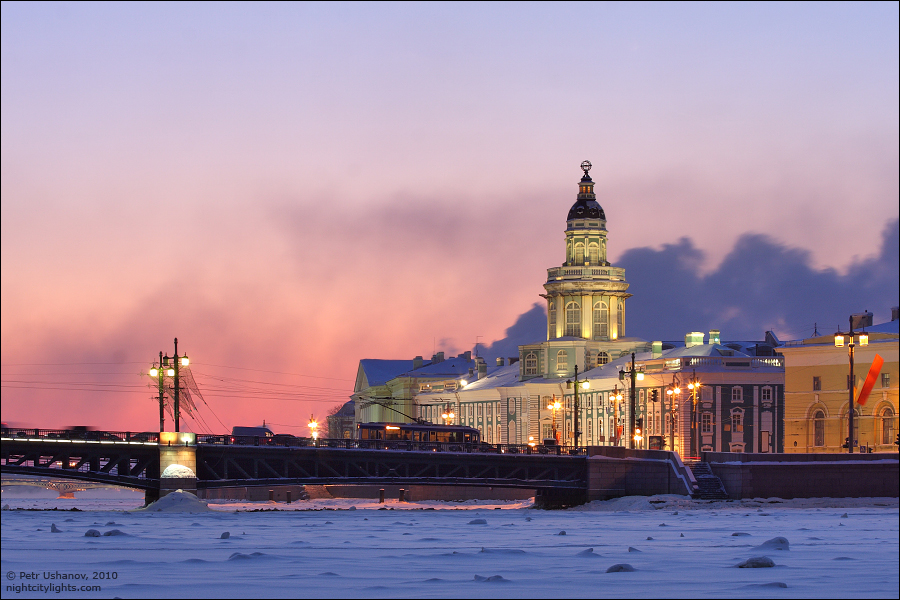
(293, 188)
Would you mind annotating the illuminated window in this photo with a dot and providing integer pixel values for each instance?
(573, 319)
(601, 321)
(562, 361)
(590, 360)
(737, 421)
(531, 364)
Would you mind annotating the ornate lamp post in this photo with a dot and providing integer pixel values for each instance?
(553, 407)
(584, 384)
(839, 339)
(672, 392)
(614, 400)
(694, 386)
(635, 375)
(448, 416)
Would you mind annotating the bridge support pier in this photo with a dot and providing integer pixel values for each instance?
(150, 496)
(178, 451)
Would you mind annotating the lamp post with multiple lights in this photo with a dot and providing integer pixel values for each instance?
(584, 384)
(839, 340)
(614, 400)
(553, 407)
(694, 386)
(672, 391)
(636, 375)
(313, 428)
(165, 369)
(448, 415)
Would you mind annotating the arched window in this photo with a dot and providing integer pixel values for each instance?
(573, 319)
(562, 361)
(601, 321)
(819, 429)
(887, 425)
(552, 318)
(620, 319)
(594, 254)
(737, 421)
(531, 364)
(579, 254)
(602, 357)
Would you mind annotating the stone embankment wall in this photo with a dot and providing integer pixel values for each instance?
(614, 472)
(807, 475)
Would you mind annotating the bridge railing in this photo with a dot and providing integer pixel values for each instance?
(75, 435)
(298, 442)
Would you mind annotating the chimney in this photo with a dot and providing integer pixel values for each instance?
(895, 313)
(714, 337)
(513, 360)
(657, 349)
(417, 363)
(499, 361)
(694, 338)
(467, 355)
(482, 367)
(439, 357)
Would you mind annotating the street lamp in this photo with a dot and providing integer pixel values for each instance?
(313, 428)
(672, 391)
(694, 386)
(448, 415)
(170, 370)
(584, 384)
(614, 400)
(839, 342)
(635, 375)
(553, 407)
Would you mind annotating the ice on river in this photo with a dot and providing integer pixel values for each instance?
(321, 548)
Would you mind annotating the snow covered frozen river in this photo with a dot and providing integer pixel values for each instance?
(677, 548)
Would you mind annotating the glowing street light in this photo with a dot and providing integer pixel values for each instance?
(313, 427)
(168, 367)
(583, 384)
(839, 343)
(448, 416)
(554, 406)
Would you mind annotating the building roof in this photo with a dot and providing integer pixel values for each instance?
(379, 371)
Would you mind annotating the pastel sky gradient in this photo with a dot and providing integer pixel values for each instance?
(289, 188)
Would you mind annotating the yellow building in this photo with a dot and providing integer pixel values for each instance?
(817, 399)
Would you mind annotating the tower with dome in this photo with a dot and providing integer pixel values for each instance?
(585, 298)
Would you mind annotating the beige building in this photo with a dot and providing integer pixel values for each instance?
(817, 399)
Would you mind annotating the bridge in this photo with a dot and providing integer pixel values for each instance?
(562, 475)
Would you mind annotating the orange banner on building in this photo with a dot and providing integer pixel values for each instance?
(870, 380)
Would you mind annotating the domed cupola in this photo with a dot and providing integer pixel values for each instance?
(586, 206)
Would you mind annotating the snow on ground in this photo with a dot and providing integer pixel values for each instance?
(358, 548)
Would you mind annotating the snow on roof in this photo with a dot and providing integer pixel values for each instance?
(451, 367)
(497, 377)
(889, 327)
(379, 371)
